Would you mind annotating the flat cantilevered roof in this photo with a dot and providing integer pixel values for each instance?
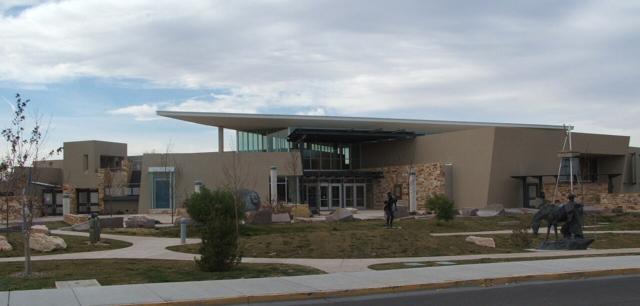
(258, 122)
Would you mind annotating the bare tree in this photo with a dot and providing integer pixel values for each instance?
(237, 176)
(168, 160)
(21, 167)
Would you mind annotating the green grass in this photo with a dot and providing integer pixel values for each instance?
(132, 271)
(422, 264)
(74, 244)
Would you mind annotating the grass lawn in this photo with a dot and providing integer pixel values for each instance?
(74, 244)
(368, 239)
(132, 271)
(422, 264)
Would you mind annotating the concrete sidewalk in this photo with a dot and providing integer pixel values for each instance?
(300, 287)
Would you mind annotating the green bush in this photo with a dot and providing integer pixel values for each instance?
(216, 213)
(442, 206)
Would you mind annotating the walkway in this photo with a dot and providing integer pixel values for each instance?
(145, 247)
(338, 284)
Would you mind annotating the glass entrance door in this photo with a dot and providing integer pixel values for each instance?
(348, 196)
(324, 196)
(360, 195)
(336, 196)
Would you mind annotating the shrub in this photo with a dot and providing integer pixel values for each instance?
(214, 211)
(442, 207)
(520, 236)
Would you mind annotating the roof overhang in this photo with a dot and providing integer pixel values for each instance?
(348, 135)
(262, 122)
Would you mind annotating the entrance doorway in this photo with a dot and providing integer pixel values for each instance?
(327, 196)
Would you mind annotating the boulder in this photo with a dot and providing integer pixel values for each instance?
(281, 218)
(40, 228)
(140, 221)
(4, 244)
(80, 227)
(490, 212)
(301, 211)
(44, 243)
(468, 212)
(481, 241)
(340, 214)
(111, 222)
(262, 216)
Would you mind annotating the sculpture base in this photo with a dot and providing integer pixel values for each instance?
(566, 244)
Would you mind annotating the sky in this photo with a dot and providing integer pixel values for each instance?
(101, 69)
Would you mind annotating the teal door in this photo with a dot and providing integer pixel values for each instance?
(162, 193)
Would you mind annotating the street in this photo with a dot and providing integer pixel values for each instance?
(618, 290)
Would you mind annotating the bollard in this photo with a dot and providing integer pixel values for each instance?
(183, 230)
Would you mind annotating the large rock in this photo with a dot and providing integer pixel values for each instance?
(111, 222)
(490, 212)
(40, 228)
(80, 227)
(4, 244)
(301, 211)
(72, 219)
(340, 214)
(262, 216)
(44, 243)
(481, 241)
(281, 218)
(468, 212)
(140, 222)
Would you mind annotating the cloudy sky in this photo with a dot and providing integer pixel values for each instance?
(100, 69)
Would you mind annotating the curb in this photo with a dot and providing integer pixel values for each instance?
(487, 282)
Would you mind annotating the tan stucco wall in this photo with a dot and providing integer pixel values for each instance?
(535, 152)
(253, 169)
(74, 174)
(626, 186)
(469, 151)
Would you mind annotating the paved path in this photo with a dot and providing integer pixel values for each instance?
(326, 285)
(541, 232)
(145, 247)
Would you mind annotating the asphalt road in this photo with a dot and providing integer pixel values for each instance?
(609, 291)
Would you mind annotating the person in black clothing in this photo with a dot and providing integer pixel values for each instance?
(389, 209)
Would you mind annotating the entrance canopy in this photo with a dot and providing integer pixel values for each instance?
(348, 135)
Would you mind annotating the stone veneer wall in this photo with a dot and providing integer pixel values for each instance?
(430, 180)
(628, 202)
(15, 209)
(587, 193)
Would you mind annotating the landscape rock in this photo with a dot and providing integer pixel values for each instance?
(301, 211)
(140, 222)
(490, 212)
(481, 241)
(111, 222)
(340, 214)
(44, 243)
(468, 212)
(80, 227)
(40, 228)
(281, 218)
(4, 244)
(262, 216)
(72, 219)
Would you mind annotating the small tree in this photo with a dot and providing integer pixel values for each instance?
(20, 167)
(216, 212)
(442, 206)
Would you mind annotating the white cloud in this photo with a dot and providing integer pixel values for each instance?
(516, 61)
(313, 112)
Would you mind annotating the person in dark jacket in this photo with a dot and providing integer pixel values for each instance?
(389, 209)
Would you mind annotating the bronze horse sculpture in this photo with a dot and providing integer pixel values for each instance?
(570, 214)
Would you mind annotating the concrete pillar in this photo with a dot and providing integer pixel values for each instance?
(273, 175)
(197, 185)
(413, 205)
(220, 139)
(66, 203)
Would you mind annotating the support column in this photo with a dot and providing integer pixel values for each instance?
(413, 205)
(273, 174)
(220, 139)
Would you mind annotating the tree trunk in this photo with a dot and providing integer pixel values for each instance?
(26, 230)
